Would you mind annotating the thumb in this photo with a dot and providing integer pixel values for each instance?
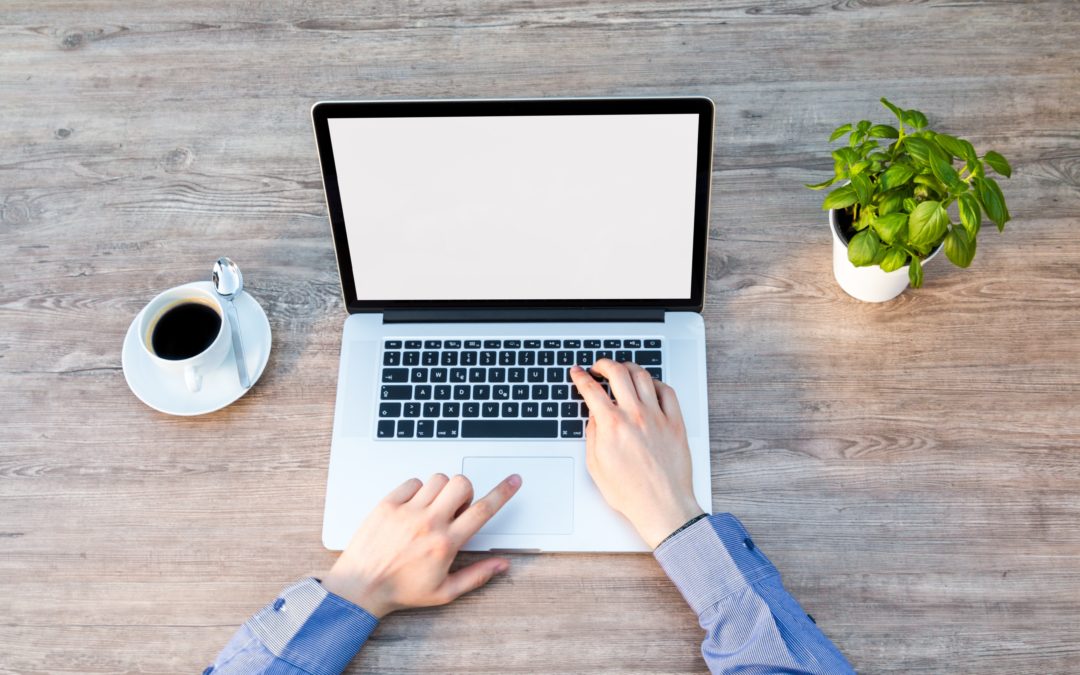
(472, 577)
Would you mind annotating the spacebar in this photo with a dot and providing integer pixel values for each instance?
(509, 429)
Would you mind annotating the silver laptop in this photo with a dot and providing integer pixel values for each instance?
(484, 247)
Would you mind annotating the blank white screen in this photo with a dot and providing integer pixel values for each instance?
(518, 207)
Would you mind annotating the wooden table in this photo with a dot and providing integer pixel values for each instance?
(912, 468)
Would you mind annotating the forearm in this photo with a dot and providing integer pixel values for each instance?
(749, 619)
(305, 631)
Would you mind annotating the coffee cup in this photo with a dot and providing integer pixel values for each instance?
(184, 331)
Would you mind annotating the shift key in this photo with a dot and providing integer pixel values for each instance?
(396, 392)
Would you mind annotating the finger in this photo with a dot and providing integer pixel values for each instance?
(595, 396)
(470, 578)
(619, 377)
(431, 490)
(643, 383)
(669, 402)
(482, 510)
(458, 492)
(403, 492)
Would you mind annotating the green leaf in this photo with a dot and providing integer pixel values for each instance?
(993, 202)
(889, 227)
(910, 204)
(951, 145)
(846, 155)
(863, 190)
(859, 167)
(864, 126)
(884, 131)
(943, 169)
(969, 151)
(914, 118)
(823, 185)
(927, 224)
(895, 176)
(998, 163)
(894, 259)
(840, 131)
(896, 111)
(959, 247)
(863, 248)
(915, 273)
(918, 148)
(970, 213)
(839, 198)
(891, 202)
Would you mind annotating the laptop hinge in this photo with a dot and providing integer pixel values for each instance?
(521, 315)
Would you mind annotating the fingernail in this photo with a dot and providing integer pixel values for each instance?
(514, 480)
(575, 369)
(502, 566)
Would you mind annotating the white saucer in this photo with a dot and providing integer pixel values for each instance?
(167, 392)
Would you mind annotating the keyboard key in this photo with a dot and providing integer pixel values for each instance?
(507, 358)
(477, 375)
(623, 356)
(472, 344)
(552, 344)
(549, 409)
(410, 359)
(565, 358)
(423, 392)
(571, 344)
(652, 344)
(488, 358)
(481, 392)
(438, 375)
(413, 344)
(546, 358)
(392, 344)
(461, 392)
(560, 392)
(520, 392)
(612, 344)
(509, 409)
(391, 358)
(592, 344)
(575, 394)
(385, 429)
(419, 375)
(430, 358)
(442, 392)
(469, 358)
(515, 375)
(632, 344)
(459, 375)
(492, 344)
(647, 358)
(470, 409)
(451, 409)
(489, 409)
(584, 358)
(432, 344)
(539, 392)
(449, 358)
(532, 344)
(657, 373)
(584, 409)
(526, 358)
(431, 409)
(569, 409)
(395, 375)
(405, 428)
(530, 409)
(496, 374)
(412, 409)
(500, 392)
(451, 344)
(425, 428)
(509, 429)
(571, 429)
(555, 374)
(389, 410)
(396, 392)
(511, 344)
(446, 429)
(605, 354)
(535, 374)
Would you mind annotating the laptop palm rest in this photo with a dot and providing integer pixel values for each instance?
(543, 505)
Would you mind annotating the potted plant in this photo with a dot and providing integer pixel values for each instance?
(890, 213)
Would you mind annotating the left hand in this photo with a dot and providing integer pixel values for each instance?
(400, 556)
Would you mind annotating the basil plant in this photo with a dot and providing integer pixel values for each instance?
(898, 192)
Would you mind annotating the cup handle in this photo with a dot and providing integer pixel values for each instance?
(193, 378)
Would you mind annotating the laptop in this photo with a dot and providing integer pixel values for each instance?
(484, 247)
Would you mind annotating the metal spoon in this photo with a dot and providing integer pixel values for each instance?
(229, 283)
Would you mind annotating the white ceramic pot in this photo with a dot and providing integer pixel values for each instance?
(871, 283)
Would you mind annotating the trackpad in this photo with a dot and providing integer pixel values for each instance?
(543, 505)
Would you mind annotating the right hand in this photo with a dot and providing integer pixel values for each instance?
(636, 450)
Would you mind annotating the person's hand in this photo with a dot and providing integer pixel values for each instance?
(636, 451)
(400, 556)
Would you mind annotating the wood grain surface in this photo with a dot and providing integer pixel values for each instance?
(912, 468)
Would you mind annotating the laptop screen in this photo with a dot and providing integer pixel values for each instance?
(521, 207)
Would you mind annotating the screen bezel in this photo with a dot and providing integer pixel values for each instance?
(701, 106)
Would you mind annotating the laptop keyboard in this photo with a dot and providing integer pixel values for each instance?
(494, 387)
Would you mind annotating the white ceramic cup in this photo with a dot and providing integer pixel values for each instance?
(208, 359)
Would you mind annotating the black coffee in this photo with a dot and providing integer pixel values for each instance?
(185, 330)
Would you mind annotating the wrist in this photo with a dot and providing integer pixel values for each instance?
(668, 521)
(356, 591)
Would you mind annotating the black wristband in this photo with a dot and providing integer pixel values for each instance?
(684, 526)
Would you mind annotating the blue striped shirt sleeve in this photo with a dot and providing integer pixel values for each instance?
(307, 630)
(752, 625)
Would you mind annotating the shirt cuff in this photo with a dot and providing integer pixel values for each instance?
(712, 559)
(313, 629)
